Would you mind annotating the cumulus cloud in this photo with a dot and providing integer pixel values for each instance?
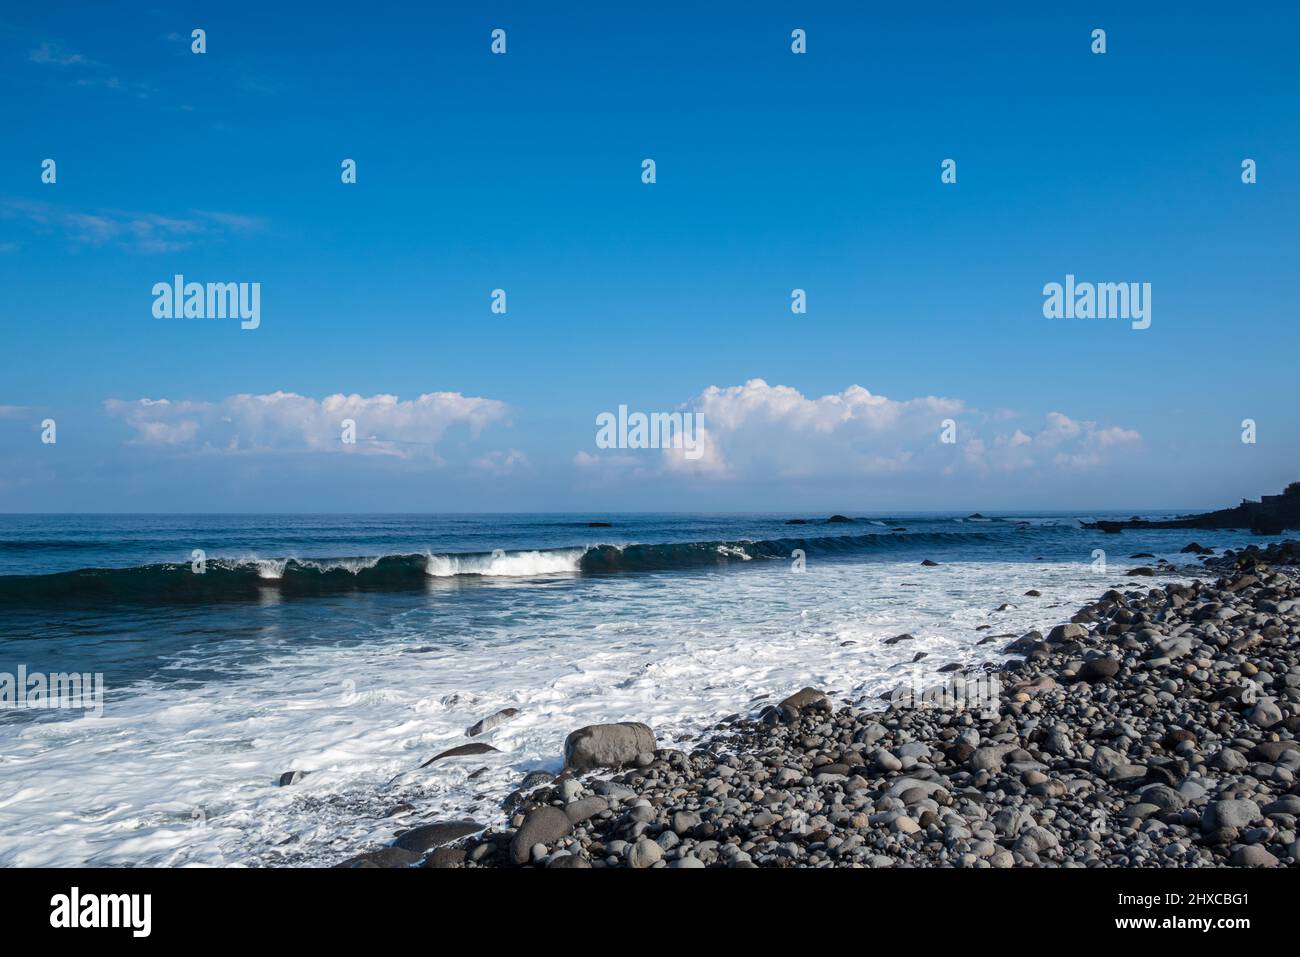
(762, 431)
(286, 421)
(781, 432)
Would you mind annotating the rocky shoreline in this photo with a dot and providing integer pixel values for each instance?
(1157, 728)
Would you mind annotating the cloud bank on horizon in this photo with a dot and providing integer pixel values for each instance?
(750, 433)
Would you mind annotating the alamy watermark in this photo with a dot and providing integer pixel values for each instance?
(654, 430)
(38, 690)
(961, 692)
(1101, 300)
(179, 299)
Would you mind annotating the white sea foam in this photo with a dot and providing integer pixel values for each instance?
(506, 564)
(734, 551)
(270, 568)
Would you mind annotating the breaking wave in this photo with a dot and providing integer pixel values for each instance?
(226, 579)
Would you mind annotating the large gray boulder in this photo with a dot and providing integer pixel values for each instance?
(608, 745)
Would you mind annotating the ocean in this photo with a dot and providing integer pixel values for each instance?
(353, 648)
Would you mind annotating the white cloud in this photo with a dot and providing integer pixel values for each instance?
(775, 431)
(758, 431)
(286, 421)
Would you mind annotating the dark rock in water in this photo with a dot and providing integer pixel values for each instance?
(1192, 548)
(805, 697)
(838, 520)
(599, 525)
(797, 521)
(490, 722)
(397, 809)
(420, 839)
(542, 825)
(955, 666)
(899, 529)
(460, 751)
(384, 857)
(1030, 641)
(608, 745)
(1143, 571)
(897, 638)
(1142, 555)
(919, 655)
(292, 777)
(1033, 593)
(1002, 607)
(929, 564)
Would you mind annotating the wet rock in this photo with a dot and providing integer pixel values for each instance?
(804, 698)
(491, 721)
(460, 751)
(420, 839)
(383, 857)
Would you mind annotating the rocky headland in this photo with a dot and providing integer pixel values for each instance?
(1271, 515)
(1156, 728)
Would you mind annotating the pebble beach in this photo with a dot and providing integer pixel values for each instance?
(1154, 728)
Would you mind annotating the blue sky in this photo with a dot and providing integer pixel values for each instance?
(774, 171)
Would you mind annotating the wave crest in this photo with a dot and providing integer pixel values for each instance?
(239, 579)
